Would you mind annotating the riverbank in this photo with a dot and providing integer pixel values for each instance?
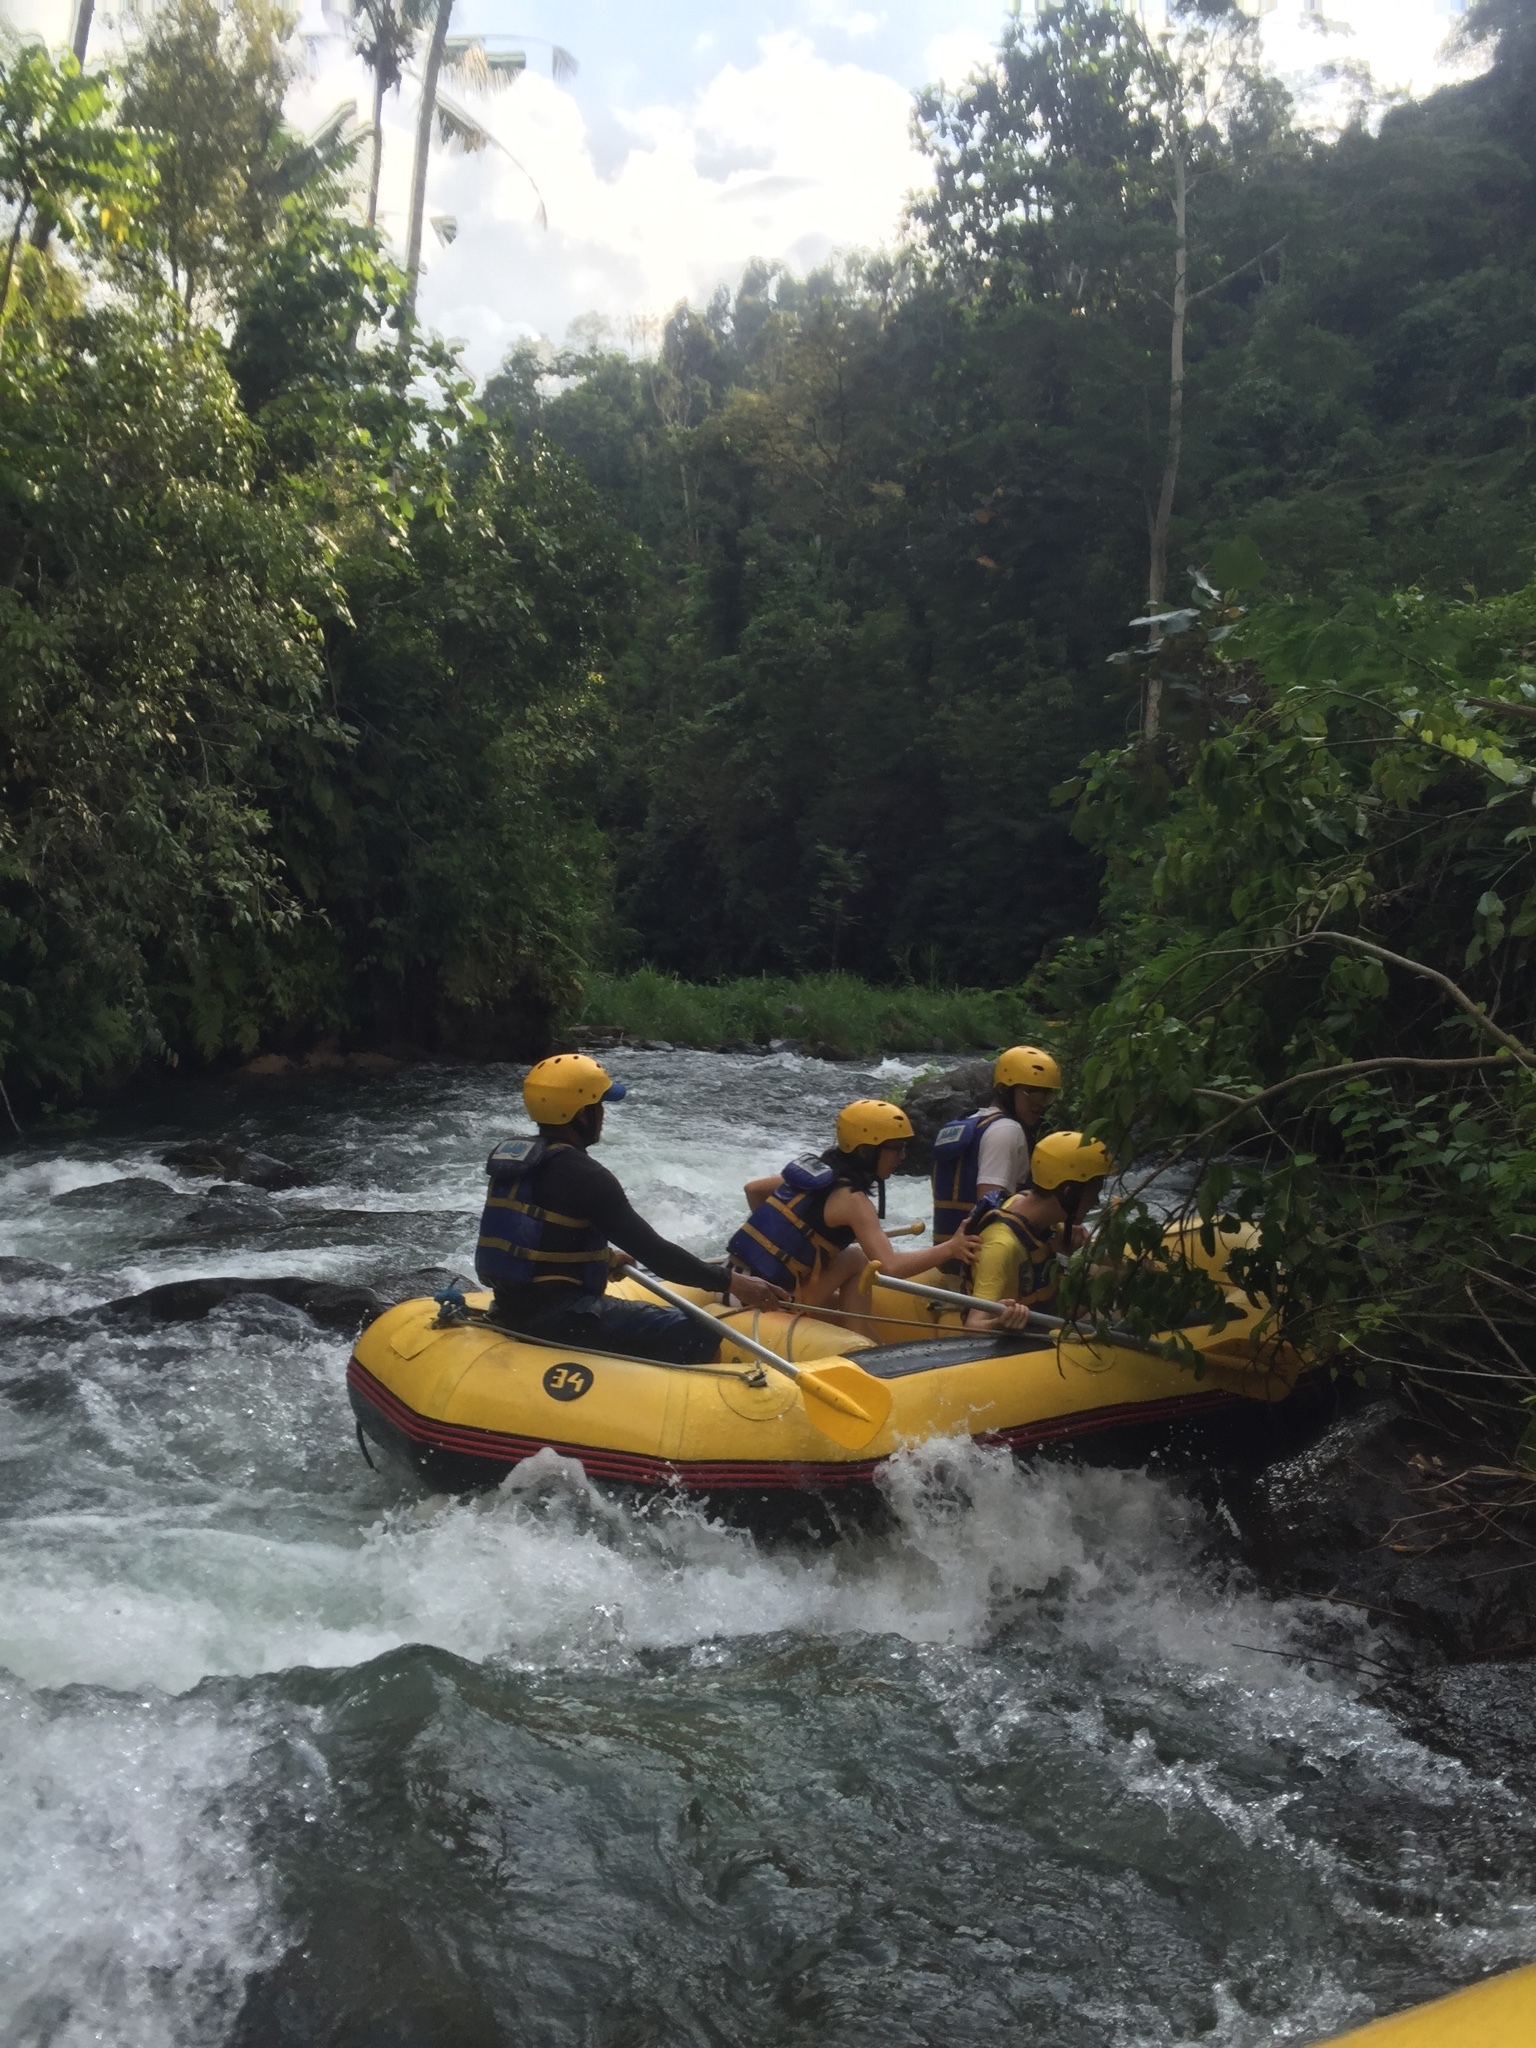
(831, 1016)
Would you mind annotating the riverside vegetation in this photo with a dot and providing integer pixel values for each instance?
(342, 700)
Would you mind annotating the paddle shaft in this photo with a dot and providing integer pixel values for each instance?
(727, 1330)
(950, 1299)
(829, 1401)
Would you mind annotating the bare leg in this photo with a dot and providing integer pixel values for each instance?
(836, 1285)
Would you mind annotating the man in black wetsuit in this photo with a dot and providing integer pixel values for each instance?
(552, 1213)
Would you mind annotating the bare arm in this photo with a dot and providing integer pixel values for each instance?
(847, 1209)
(1014, 1316)
(758, 1191)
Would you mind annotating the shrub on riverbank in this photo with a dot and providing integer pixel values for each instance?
(837, 1013)
(1315, 972)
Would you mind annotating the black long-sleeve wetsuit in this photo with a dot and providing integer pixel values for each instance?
(571, 1182)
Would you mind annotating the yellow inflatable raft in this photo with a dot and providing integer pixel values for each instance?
(465, 1402)
(1500, 2013)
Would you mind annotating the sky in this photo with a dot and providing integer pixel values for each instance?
(698, 135)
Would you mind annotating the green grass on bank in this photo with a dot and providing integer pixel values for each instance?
(836, 1015)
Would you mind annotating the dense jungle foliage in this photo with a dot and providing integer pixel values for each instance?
(896, 514)
(340, 700)
(300, 657)
(1312, 990)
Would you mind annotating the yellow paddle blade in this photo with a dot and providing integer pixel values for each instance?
(845, 1403)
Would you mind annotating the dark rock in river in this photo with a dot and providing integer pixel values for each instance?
(231, 1163)
(185, 1301)
(131, 1191)
(1485, 1714)
(937, 1099)
(230, 1207)
(410, 1286)
(741, 1046)
(1367, 1516)
(14, 1271)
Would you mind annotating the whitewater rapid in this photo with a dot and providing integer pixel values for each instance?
(291, 1754)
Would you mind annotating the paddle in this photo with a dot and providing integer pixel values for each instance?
(844, 1403)
(1126, 1339)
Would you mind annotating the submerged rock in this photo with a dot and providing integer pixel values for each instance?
(1369, 1516)
(184, 1301)
(233, 1163)
(14, 1271)
(128, 1191)
(327, 1302)
(230, 1207)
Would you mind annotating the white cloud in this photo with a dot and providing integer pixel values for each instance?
(1404, 44)
(789, 158)
(950, 59)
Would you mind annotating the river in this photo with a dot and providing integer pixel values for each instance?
(289, 1755)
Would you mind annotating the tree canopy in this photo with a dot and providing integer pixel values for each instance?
(762, 650)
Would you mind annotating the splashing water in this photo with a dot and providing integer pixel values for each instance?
(288, 1755)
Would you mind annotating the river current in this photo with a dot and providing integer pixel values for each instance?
(291, 1755)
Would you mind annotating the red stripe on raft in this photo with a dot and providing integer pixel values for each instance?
(698, 1476)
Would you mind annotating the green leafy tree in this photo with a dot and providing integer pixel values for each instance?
(63, 161)
(161, 666)
(1317, 945)
(1067, 173)
(209, 81)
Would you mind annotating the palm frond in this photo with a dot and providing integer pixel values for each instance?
(330, 147)
(446, 227)
(562, 65)
(460, 130)
(481, 70)
(464, 58)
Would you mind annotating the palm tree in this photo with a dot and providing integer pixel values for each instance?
(385, 34)
(470, 59)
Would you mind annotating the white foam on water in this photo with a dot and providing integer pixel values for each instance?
(548, 1571)
(131, 1906)
(184, 1503)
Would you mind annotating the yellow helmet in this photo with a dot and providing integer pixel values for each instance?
(557, 1088)
(1068, 1156)
(872, 1123)
(1025, 1066)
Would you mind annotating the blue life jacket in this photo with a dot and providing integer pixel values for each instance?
(784, 1239)
(956, 1158)
(522, 1245)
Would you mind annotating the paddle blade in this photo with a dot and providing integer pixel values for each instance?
(845, 1403)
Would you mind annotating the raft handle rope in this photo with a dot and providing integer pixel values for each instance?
(753, 1378)
(840, 1399)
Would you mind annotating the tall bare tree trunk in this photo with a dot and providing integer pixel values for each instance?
(1162, 520)
(424, 118)
(376, 162)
